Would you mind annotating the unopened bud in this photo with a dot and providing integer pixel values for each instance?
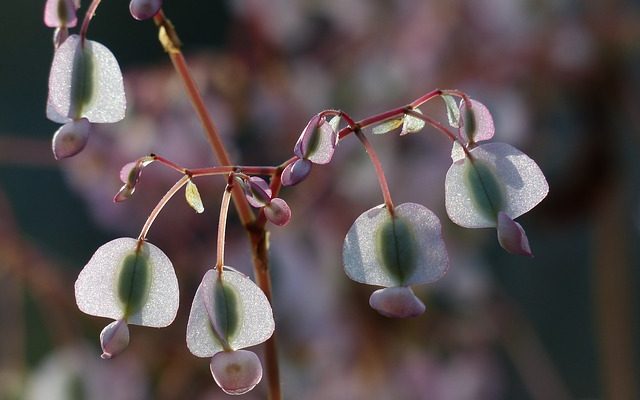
(114, 338)
(296, 172)
(396, 302)
(144, 9)
(71, 138)
(278, 212)
(512, 236)
(257, 191)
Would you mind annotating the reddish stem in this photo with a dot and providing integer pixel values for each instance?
(91, 11)
(222, 224)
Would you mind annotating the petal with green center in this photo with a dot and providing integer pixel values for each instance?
(122, 281)
(85, 81)
(251, 314)
(497, 168)
(400, 250)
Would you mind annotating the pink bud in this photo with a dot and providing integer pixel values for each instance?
(278, 212)
(71, 138)
(59, 13)
(114, 338)
(144, 9)
(396, 302)
(296, 172)
(236, 372)
(257, 192)
(317, 142)
(512, 237)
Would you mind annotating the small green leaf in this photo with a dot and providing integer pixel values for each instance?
(453, 111)
(412, 124)
(227, 310)
(484, 188)
(134, 281)
(193, 197)
(396, 247)
(387, 126)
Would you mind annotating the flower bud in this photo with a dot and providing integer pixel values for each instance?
(71, 138)
(144, 9)
(236, 372)
(317, 142)
(257, 192)
(278, 212)
(396, 302)
(60, 13)
(512, 236)
(114, 338)
(296, 172)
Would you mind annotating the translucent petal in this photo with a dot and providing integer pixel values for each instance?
(521, 181)
(361, 254)
(256, 324)
(236, 372)
(54, 115)
(412, 124)
(317, 142)
(192, 195)
(60, 13)
(482, 124)
(96, 288)
(85, 83)
(387, 126)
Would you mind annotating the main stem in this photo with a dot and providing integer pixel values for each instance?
(257, 234)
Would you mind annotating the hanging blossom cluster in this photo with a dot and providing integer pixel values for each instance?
(394, 247)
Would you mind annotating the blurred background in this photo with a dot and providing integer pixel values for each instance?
(562, 79)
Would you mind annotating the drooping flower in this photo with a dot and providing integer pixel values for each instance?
(395, 251)
(490, 186)
(259, 195)
(85, 83)
(132, 282)
(316, 145)
(229, 313)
